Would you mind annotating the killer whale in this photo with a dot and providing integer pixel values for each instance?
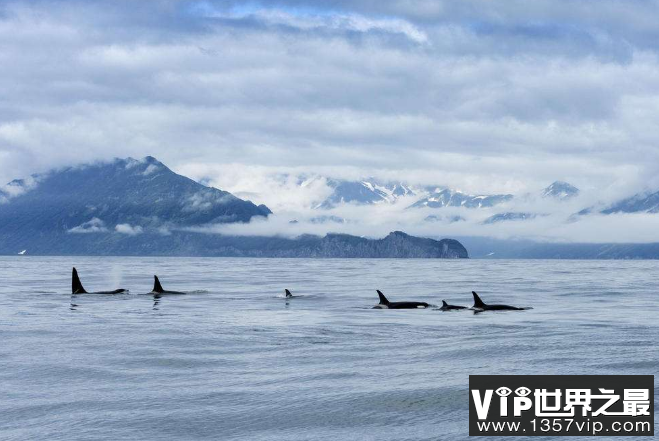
(386, 304)
(158, 289)
(288, 295)
(447, 307)
(77, 288)
(480, 306)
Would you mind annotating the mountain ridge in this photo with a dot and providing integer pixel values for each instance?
(371, 191)
(180, 243)
(124, 191)
(141, 207)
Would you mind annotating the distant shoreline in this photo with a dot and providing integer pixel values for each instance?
(480, 258)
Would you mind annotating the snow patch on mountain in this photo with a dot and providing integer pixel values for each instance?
(560, 190)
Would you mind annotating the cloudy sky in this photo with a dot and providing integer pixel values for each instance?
(482, 95)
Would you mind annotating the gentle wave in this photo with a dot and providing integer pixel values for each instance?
(235, 360)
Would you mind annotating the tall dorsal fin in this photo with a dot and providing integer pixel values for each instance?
(444, 303)
(157, 287)
(288, 293)
(76, 286)
(383, 299)
(478, 303)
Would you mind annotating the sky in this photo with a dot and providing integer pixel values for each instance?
(485, 96)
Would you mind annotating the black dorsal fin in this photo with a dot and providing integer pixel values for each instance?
(444, 303)
(288, 293)
(478, 303)
(157, 287)
(76, 286)
(383, 299)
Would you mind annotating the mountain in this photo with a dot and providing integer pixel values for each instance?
(505, 217)
(125, 197)
(185, 243)
(490, 248)
(444, 197)
(445, 219)
(640, 203)
(646, 202)
(363, 193)
(395, 245)
(560, 190)
(624, 251)
(370, 191)
(141, 207)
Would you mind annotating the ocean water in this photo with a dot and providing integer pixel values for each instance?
(235, 360)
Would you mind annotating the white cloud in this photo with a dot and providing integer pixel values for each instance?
(482, 96)
(151, 168)
(316, 21)
(128, 229)
(619, 228)
(95, 225)
(17, 188)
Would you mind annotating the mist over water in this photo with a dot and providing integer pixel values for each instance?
(235, 360)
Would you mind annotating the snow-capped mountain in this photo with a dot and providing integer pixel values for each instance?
(560, 190)
(373, 192)
(363, 192)
(640, 203)
(503, 207)
(370, 191)
(445, 197)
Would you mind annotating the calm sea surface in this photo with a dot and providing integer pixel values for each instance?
(236, 361)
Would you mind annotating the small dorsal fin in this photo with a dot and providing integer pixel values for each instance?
(76, 285)
(288, 293)
(478, 303)
(444, 303)
(383, 299)
(157, 287)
